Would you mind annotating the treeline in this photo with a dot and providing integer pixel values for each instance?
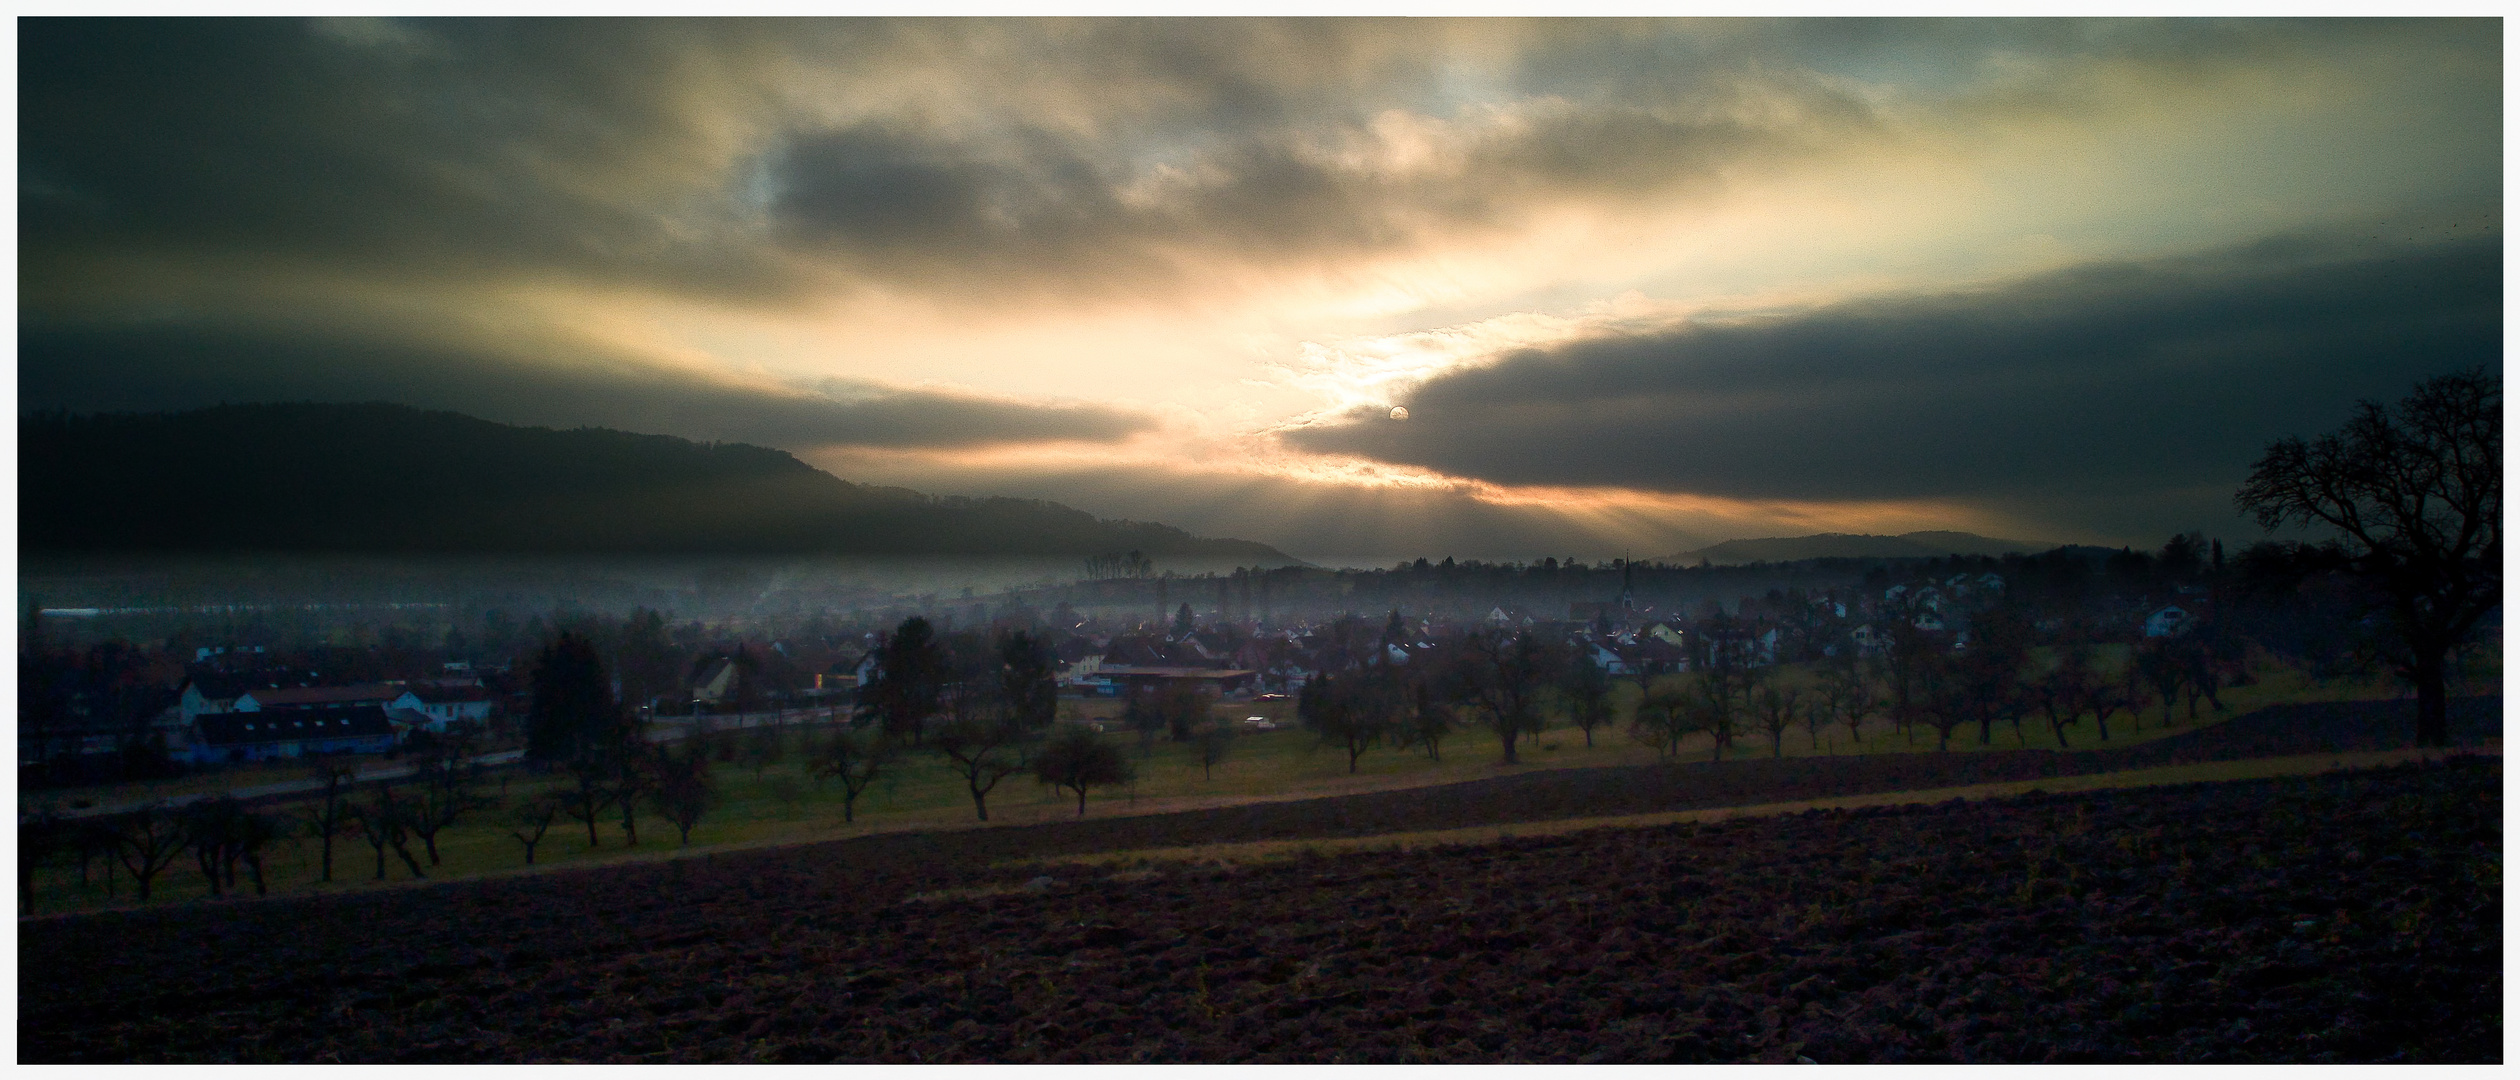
(388, 478)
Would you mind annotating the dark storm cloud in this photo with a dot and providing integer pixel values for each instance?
(434, 149)
(2100, 383)
(170, 367)
(709, 156)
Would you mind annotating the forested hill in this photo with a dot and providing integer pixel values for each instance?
(1915, 545)
(389, 478)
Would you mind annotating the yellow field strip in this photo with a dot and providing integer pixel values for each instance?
(1257, 851)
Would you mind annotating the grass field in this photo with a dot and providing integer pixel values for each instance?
(782, 803)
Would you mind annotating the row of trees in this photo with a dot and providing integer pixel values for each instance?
(1516, 684)
(981, 704)
(1509, 682)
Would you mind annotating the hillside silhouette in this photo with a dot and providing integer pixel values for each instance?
(1915, 545)
(390, 478)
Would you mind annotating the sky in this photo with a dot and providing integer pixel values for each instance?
(1640, 286)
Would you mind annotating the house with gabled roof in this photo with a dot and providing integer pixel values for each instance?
(443, 705)
(211, 692)
(716, 682)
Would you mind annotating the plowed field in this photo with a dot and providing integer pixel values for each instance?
(2348, 917)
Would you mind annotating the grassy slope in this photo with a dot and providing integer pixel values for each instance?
(783, 804)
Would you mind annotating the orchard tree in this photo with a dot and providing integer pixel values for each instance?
(2070, 688)
(1078, 760)
(855, 758)
(1216, 742)
(1776, 708)
(1585, 688)
(982, 751)
(449, 787)
(1346, 711)
(383, 824)
(2161, 672)
(1428, 721)
(684, 790)
(531, 820)
(1666, 715)
(1845, 693)
(1986, 676)
(2415, 493)
(146, 840)
(1506, 678)
(331, 813)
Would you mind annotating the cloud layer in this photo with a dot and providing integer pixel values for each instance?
(941, 237)
(2110, 380)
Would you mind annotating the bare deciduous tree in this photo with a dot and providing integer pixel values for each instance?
(855, 758)
(1077, 760)
(2417, 493)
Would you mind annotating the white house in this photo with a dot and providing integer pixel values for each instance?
(2171, 621)
(443, 705)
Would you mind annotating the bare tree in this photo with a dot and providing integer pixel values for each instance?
(212, 830)
(1815, 716)
(634, 775)
(1350, 712)
(982, 751)
(146, 840)
(327, 817)
(2162, 673)
(855, 758)
(1428, 722)
(1585, 688)
(1505, 677)
(1775, 707)
(2417, 493)
(1845, 694)
(589, 794)
(2076, 686)
(683, 790)
(382, 824)
(449, 786)
(1077, 760)
(1667, 715)
(1216, 740)
(531, 820)
(1987, 676)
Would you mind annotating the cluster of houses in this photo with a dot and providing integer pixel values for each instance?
(222, 717)
(229, 718)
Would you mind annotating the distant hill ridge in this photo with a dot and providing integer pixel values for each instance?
(391, 478)
(1915, 545)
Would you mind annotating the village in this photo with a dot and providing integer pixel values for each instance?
(117, 710)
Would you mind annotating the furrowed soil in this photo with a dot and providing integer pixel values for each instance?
(2345, 917)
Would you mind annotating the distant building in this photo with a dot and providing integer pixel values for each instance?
(315, 697)
(443, 705)
(291, 733)
(1112, 680)
(717, 683)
